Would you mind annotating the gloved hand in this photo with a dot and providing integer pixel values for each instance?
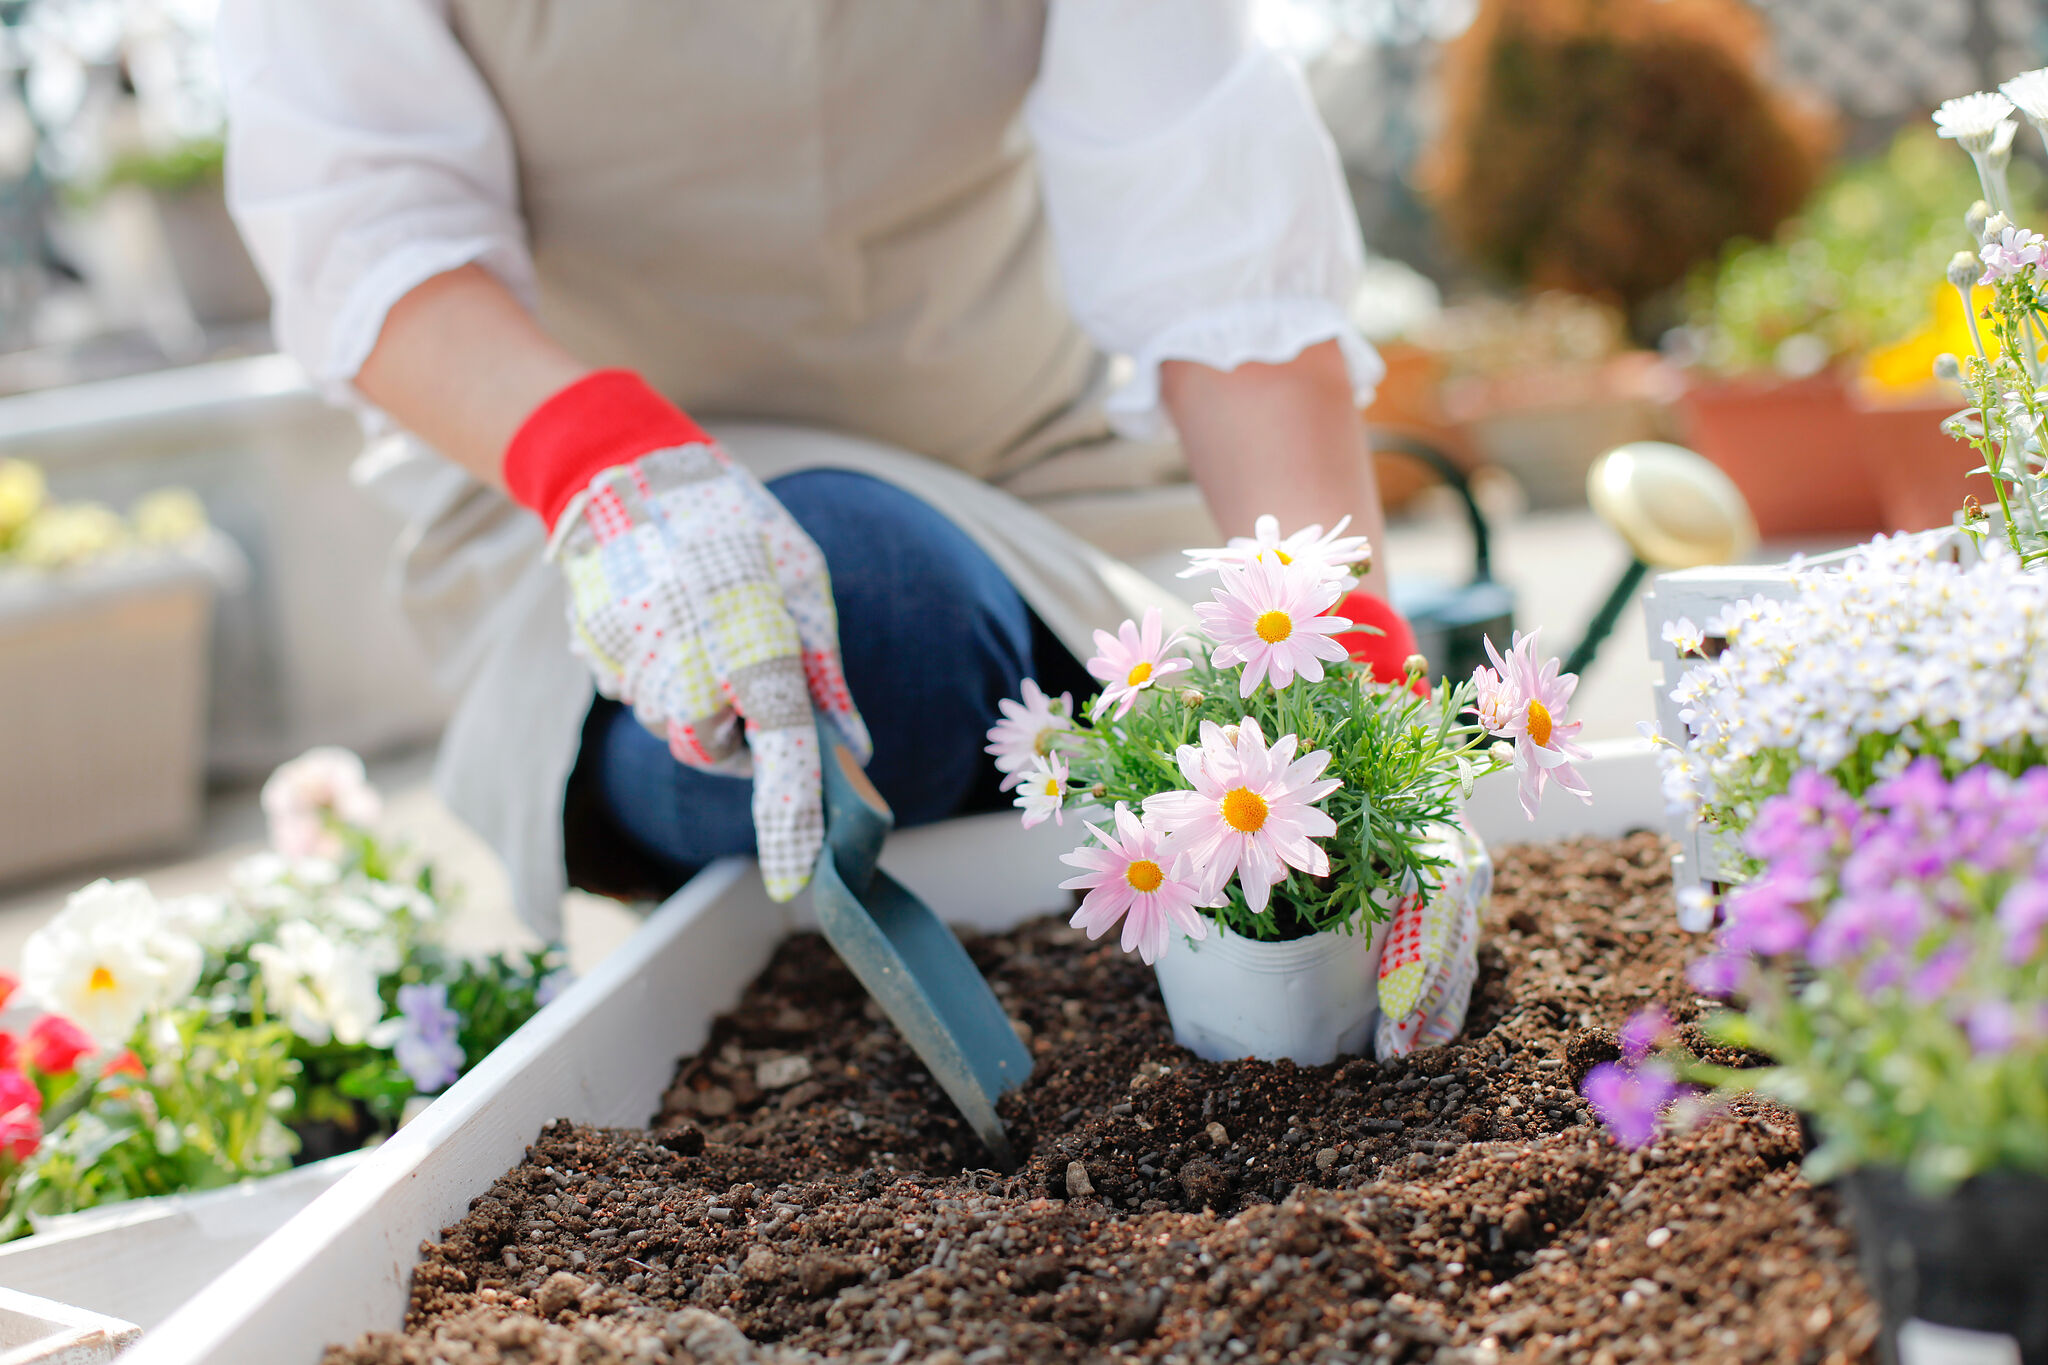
(694, 598)
(1431, 957)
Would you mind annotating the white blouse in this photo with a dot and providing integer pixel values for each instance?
(1196, 202)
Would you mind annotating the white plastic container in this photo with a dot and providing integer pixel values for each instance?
(1310, 1000)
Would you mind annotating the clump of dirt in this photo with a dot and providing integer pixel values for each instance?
(807, 1192)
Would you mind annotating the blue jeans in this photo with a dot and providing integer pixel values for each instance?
(932, 635)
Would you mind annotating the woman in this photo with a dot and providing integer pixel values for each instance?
(880, 250)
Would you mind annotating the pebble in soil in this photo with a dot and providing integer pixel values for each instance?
(806, 1191)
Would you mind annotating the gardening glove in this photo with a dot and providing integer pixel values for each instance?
(1386, 652)
(1431, 958)
(694, 598)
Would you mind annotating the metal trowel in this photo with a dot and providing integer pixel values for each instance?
(906, 956)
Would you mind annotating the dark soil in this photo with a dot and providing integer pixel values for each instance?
(807, 1192)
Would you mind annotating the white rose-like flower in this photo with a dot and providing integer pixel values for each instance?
(1973, 120)
(108, 959)
(325, 989)
(303, 796)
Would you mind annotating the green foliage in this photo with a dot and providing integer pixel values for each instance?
(207, 1114)
(1855, 271)
(1405, 762)
(1891, 1082)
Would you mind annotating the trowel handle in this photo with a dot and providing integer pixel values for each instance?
(856, 817)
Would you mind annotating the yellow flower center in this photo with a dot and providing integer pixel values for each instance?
(1539, 724)
(1244, 810)
(1282, 555)
(1052, 786)
(1138, 676)
(1274, 626)
(1144, 875)
(1043, 744)
(100, 980)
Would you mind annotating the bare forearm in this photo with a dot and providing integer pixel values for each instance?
(461, 364)
(1282, 439)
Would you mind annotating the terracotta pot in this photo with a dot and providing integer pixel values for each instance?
(1794, 448)
(1922, 473)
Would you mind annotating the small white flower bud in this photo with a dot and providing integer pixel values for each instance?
(1193, 696)
(1500, 751)
(1415, 665)
(1976, 218)
(1964, 268)
(1947, 368)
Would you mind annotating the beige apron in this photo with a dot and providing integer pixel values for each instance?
(814, 224)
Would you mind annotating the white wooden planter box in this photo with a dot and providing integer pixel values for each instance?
(103, 674)
(141, 1260)
(36, 1331)
(1708, 857)
(604, 1052)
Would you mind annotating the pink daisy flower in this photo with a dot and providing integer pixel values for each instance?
(1524, 701)
(1269, 617)
(1029, 729)
(1126, 879)
(1134, 659)
(1043, 790)
(1251, 814)
(1333, 556)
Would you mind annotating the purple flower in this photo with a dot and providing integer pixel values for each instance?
(1717, 974)
(427, 1048)
(2021, 917)
(1992, 1025)
(1766, 917)
(1629, 1099)
(1938, 975)
(1856, 921)
(552, 985)
(1642, 1034)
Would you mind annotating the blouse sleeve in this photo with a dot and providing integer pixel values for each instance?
(364, 156)
(1197, 204)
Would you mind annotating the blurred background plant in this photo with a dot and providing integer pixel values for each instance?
(1856, 277)
(1609, 146)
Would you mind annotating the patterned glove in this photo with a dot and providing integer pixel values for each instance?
(1431, 958)
(694, 598)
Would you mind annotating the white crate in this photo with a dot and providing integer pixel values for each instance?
(36, 1331)
(604, 1052)
(316, 650)
(102, 710)
(1707, 857)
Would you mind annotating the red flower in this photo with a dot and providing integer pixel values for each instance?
(21, 1132)
(55, 1044)
(8, 983)
(10, 1052)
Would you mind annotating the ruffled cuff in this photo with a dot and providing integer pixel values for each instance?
(1265, 331)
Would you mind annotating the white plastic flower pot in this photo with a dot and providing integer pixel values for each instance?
(1309, 1000)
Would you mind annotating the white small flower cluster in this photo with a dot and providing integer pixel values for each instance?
(1900, 645)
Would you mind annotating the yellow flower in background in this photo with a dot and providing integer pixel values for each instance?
(1908, 367)
(21, 494)
(70, 533)
(169, 516)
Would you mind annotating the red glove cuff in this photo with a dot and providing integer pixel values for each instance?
(1387, 653)
(603, 419)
